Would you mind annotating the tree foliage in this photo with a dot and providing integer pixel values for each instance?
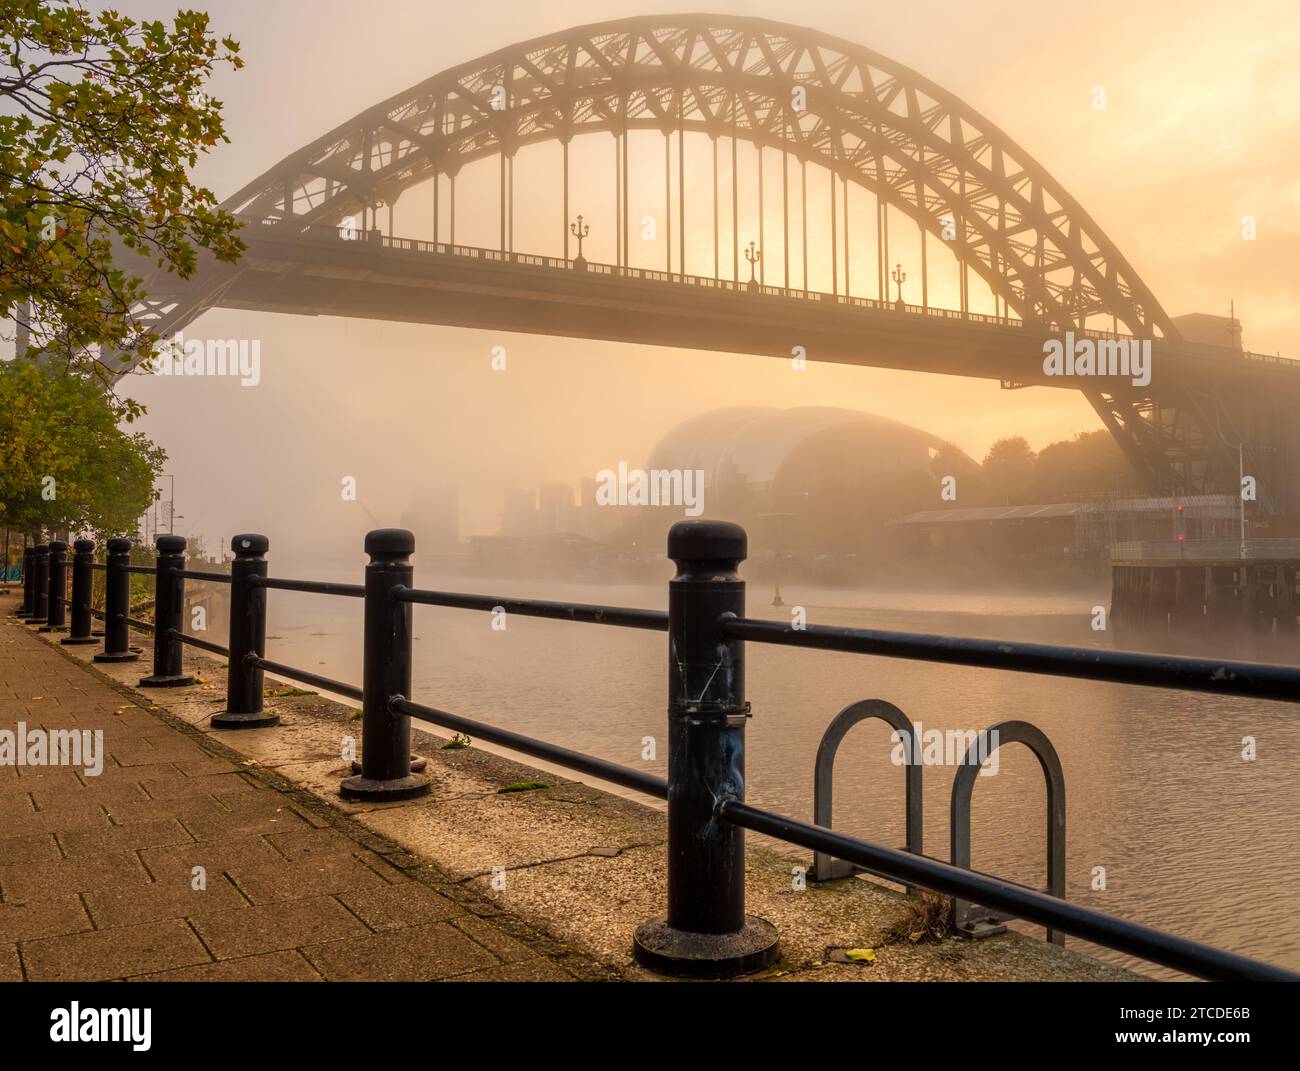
(66, 464)
(101, 120)
(1090, 464)
(1009, 471)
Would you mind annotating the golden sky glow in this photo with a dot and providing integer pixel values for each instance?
(1200, 129)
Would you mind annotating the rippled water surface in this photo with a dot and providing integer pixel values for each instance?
(1193, 839)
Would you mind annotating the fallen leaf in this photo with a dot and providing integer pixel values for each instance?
(861, 955)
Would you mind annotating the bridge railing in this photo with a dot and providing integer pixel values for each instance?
(1202, 550)
(705, 930)
(415, 245)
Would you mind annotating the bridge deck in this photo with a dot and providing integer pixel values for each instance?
(320, 272)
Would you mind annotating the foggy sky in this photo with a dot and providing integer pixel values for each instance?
(1199, 130)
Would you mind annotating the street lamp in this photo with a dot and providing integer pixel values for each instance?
(753, 255)
(900, 277)
(580, 231)
(171, 505)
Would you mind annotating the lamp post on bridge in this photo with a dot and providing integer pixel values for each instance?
(754, 256)
(900, 277)
(580, 231)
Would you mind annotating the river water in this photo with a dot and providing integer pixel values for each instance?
(1192, 838)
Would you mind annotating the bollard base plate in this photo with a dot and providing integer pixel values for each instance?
(258, 720)
(397, 788)
(178, 681)
(679, 954)
(417, 764)
(118, 656)
(78, 641)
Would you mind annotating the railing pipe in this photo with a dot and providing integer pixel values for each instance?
(705, 932)
(244, 679)
(302, 676)
(527, 745)
(168, 616)
(1210, 675)
(207, 576)
(202, 645)
(83, 583)
(621, 616)
(117, 604)
(386, 733)
(314, 587)
(1074, 919)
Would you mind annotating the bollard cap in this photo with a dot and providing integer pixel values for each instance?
(702, 541)
(58, 546)
(84, 546)
(170, 544)
(390, 542)
(119, 545)
(41, 548)
(249, 545)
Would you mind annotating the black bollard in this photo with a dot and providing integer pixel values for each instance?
(386, 735)
(706, 933)
(56, 615)
(117, 604)
(168, 613)
(83, 584)
(247, 636)
(29, 585)
(40, 584)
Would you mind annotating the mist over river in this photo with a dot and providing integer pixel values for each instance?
(1193, 838)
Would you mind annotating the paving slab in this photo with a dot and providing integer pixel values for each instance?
(100, 874)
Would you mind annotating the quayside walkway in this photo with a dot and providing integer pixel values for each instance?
(100, 878)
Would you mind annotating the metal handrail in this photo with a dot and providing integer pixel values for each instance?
(304, 676)
(620, 616)
(1259, 680)
(194, 641)
(706, 795)
(315, 587)
(1150, 944)
(561, 756)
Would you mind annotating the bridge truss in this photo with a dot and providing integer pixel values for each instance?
(816, 100)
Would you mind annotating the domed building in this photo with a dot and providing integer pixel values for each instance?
(807, 482)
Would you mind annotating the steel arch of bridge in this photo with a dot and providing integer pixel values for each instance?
(871, 121)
